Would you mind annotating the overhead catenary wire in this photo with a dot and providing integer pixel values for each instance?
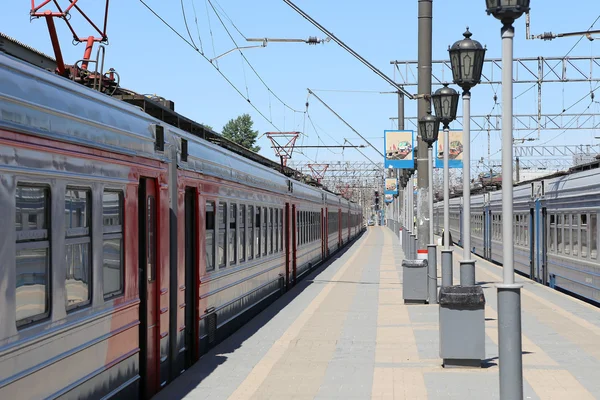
(207, 59)
(344, 121)
(187, 28)
(212, 38)
(197, 27)
(247, 61)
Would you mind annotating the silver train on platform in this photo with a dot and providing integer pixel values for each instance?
(555, 229)
(130, 247)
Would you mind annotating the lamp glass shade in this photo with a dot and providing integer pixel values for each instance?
(445, 103)
(466, 58)
(507, 10)
(429, 127)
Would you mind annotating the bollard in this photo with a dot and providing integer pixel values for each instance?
(467, 273)
(412, 251)
(432, 273)
(446, 267)
(415, 248)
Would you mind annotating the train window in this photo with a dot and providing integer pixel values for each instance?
(32, 295)
(310, 226)
(567, 233)
(258, 237)
(299, 228)
(551, 233)
(276, 228)
(559, 230)
(242, 235)
(232, 237)
(270, 230)
(112, 243)
(78, 247)
(264, 231)
(250, 232)
(222, 247)
(584, 235)
(281, 230)
(210, 236)
(303, 227)
(594, 236)
(575, 234)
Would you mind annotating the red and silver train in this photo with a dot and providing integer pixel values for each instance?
(130, 247)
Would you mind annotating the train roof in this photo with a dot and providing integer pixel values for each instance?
(126, 125)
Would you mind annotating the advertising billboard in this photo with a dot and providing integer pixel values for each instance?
(399, 147)
(455, 156)
(391, 186)
(389, 198)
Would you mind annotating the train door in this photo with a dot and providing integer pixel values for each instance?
(487, 232)
(339, 229)
(326, 231)
(287, 245)
(294, 243)
(323, 236)
(543, 246)
(348, 218)
(148, 286)
(191, 279)
(534, 229)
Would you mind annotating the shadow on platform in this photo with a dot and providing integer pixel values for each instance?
(209, 362)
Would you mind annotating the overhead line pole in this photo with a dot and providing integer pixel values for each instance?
(425, 10)
(344, 121)
(349, 50)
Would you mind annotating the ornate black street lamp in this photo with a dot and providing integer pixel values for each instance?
(445, 103)
(429, 126)
(466, 57)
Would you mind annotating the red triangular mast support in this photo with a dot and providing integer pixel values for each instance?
(283, 151)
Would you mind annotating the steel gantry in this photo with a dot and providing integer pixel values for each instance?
(535, 71)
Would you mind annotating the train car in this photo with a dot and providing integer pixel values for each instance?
(130, 246)
(555, 229)
(566, 220)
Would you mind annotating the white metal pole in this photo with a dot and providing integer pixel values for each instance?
(466, 175)
(446, 189)
(467, 265)
(429, 160)
(509, 294)
(447, 272)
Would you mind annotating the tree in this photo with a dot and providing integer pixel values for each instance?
(240, 131)
(208, 127)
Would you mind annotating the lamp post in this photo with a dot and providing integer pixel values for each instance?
(466, 58)
(445, 103)
(429, 126)
(509, 293)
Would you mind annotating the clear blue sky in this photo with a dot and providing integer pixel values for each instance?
(151, 59)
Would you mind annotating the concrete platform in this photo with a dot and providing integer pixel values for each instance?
(345, 333)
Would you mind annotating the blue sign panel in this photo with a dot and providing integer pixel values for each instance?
(389, 198)
(399, 146)
(391, 186)
(455, 158)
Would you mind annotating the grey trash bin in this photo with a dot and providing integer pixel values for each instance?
(414, 281)
(462, 326)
